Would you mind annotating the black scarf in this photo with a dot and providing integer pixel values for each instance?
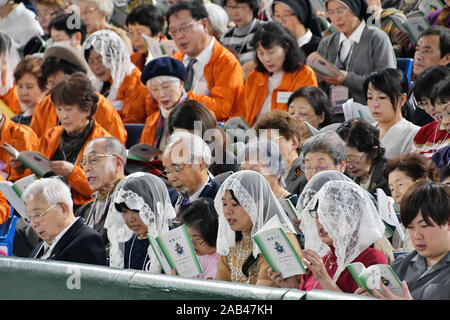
(70, 146)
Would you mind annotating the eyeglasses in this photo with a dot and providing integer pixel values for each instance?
(354, 160)
(92, 159)
(315, 168)
(173, 31)
(177, 170)
(88, 11)
(339, 12)
(313, 212)
(284, 16)
(37, 217)
(423, 105)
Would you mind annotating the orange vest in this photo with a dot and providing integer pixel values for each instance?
(81, 192)
(5, 209)
(224, 79)
(133, 92)
(12, 100)
(255, 91)
(44, 118)
(20, 137)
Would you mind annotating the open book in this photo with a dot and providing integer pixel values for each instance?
(370, 277)
(278, 249)
(312, 130)
(428, 6)
(143, 152)
(32, 160)
(322, 65)
(13, 192)
(289, 208)
(354, 110)
(239, 129)
(415, 24)
(6, 110)
(174, 250)
(158, 49)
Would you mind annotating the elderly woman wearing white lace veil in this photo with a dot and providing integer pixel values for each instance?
(141, 206)
(9, 58)
(115, 76)
(244, 204)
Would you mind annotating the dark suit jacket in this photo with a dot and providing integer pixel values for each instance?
(209, 191)
(79, 244)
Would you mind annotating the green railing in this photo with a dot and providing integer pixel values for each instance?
(23, 278)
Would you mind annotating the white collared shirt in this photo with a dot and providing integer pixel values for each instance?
(304, 39)
(198, 67)
(55, 241)
(347, 43)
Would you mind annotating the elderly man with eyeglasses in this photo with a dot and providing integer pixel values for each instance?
(65, 237)
(103, 163)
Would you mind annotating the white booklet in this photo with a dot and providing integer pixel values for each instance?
(278, 249)
(388, 215)
(13, 192)
(370, 277)
(158, 49)
(354, 110)
(177, 251)
(428, 6)
(322, 65)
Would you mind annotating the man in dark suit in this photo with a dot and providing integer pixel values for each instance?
(65, 237)
(186, 159)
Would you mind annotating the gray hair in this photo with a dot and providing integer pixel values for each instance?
(218, 17)
(194, 147)
(266, 152)
(105, 6)
(328, 142)
(112, 145)
(53, 190)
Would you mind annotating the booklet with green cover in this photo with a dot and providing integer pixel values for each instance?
(32, 160)
(177, 252)
(13, 192)
(278, 249)
(370, 277)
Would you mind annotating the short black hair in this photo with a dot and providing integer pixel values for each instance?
(202, 216)
(444, 37)
(390, 81)
(64, 23)
(432, 199)
(361, 135)
(441, 92)
(184, 115)
(52, 65)
(272, 33)
(196, 8)
(254, 5)
(318, 100)
(428, 79)
(147, 15)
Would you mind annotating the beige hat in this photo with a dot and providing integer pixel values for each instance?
(67, 53)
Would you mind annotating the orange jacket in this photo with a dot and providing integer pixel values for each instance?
(133, 92)
(5, 209)
(224, 79)
(12, 100)
(138, 60)
(255, 91)
(44, 118)
(149, 131)
(20, 137)
(81, 192)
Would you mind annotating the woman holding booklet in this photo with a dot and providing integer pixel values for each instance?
(340, 224)
(244, 204)
(141, 207)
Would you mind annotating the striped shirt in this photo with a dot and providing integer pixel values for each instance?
(238, 41)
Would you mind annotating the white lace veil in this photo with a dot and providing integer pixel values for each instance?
(253, 193)
(147, 194)
(10, 58)
(115, 57)
(350, 218)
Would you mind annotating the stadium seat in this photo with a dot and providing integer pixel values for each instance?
(134, 131)
(7, 230)
(406, 65)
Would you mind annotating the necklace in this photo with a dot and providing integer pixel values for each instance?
(144, 265)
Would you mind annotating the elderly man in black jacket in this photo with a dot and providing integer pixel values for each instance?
(65, 237)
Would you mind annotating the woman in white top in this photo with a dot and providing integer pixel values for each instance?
(386, 92)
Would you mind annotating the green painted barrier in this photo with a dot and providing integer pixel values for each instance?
(23, 278)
